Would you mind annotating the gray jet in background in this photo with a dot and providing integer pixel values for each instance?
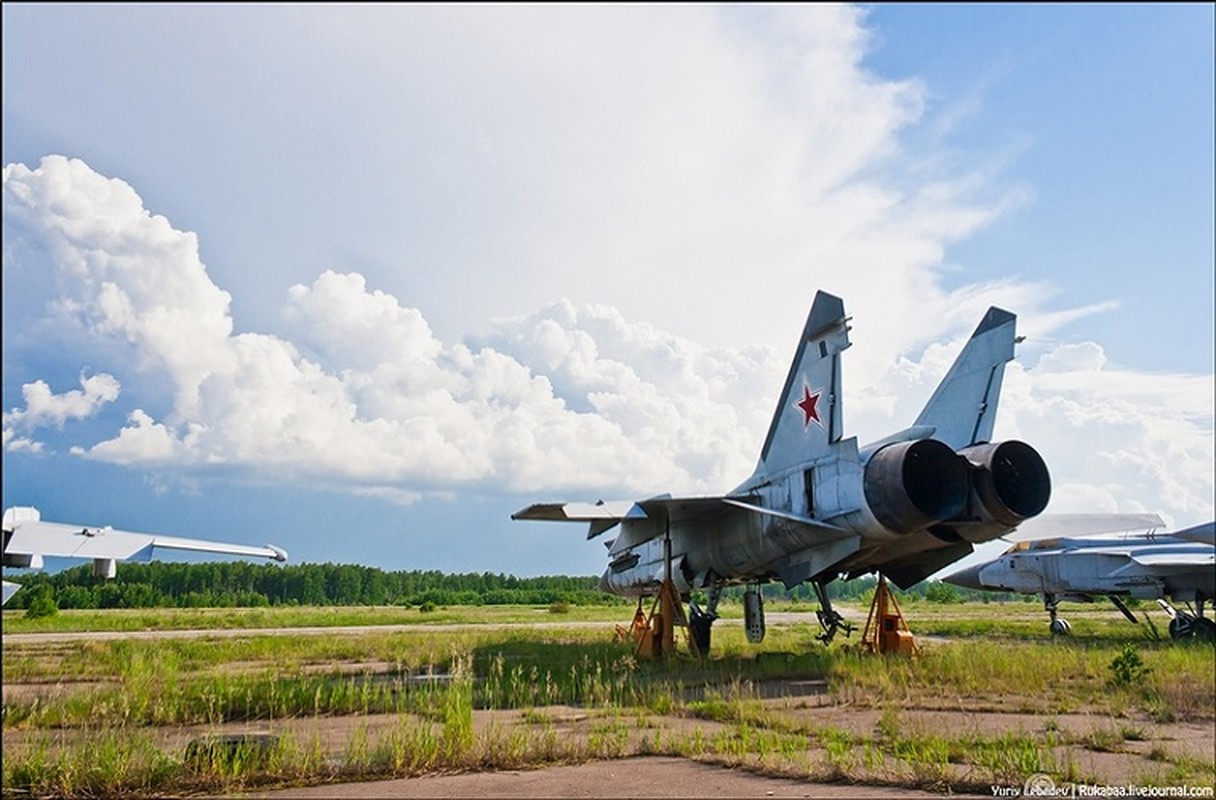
(1149, 566)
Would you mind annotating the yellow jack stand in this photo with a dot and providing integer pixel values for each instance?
(656, 636)
(637, 628)
(886, 630)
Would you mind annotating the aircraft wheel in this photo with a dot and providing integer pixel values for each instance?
(1181, 627)
(1205, 630)
(1060, 627)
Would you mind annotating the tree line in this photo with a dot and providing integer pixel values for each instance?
(162, 584)
(167, 584)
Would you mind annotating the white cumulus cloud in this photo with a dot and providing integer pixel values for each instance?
(570, 398)
(378, 403)
(43, 408)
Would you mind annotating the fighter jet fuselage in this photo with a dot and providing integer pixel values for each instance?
(818, 506)
(1149, 566)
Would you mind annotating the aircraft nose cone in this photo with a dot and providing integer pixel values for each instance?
(967, 578)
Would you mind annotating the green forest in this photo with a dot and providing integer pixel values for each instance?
(159, 584)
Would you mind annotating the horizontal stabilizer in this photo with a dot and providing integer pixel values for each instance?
(1052, 526)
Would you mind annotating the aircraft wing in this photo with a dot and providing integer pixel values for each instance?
(38, 538)
(602, 516)
(680, 510)
(801, 520)
(1074, 526)
(676, 510)
(1175, 561)
(577, 512)
(1202, 534)
(10, 589)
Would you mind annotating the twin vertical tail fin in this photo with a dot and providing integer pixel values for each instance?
(960, 414)
(808, 415)
(1009, 480)
(962, 409)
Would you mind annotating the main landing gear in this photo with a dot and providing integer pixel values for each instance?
(1185, 625)
(829, 618)
(700, 621)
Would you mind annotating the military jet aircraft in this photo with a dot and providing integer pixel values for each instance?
(818, 506)
(27, 539)
(1152, 566)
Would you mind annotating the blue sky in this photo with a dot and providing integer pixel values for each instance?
(363, 281)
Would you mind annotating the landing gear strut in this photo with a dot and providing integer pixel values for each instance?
(1184, 624)
(1059, 625)
(700, 621)
(829, 618)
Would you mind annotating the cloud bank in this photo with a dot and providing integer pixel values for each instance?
(570, 399)
(368, 398)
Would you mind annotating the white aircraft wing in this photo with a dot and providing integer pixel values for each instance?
(81, 541)
(1175, 561)
(578, 512)
(1201, 534)
(604, 516)
(28, 539)
(1053, 526)
(27, 534)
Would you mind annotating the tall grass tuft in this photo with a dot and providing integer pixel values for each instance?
(105, 764)
(457, 702)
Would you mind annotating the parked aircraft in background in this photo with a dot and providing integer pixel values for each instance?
(1150, 566)
(818, 506)
(27, 539)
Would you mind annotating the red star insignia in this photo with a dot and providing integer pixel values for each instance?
(810, 407)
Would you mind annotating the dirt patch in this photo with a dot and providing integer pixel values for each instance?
(1097, 748)
(789, 737)
(647, 777)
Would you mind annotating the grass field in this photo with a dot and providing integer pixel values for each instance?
(991, 700)
(296, 617)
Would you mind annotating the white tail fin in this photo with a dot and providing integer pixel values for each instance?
(962, 410)
(808, 415)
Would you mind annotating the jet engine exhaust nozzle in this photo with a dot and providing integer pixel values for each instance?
(1010, 480)
(911, 485)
